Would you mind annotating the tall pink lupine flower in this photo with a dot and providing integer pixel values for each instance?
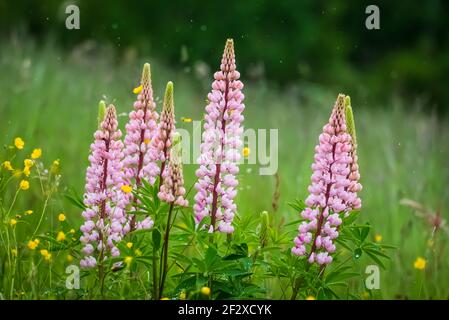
(333, 190)
(217, 183)
(162, 141)
(140, 130)
(103, 226)
(172, 189)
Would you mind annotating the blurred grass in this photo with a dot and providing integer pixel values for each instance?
(49, 98)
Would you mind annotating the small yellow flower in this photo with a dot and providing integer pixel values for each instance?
(420, 263)
(72, 231)
(147, 141)
(188, 120)
(24, 185)
(310, 298)
(7, 165)
(129, 245)
(138, 252)
(128, 260)
(69, 258)
(14, 252)
(36, 153)
(32, 244)
(165, 298)
(61, 217)
(19, 143)
(60, 236)
(126, 188)
(46, 254)
(26, 171)
(246, 152)
(13, 222)
(182, 296)
(378, 238)
(28, 163)
(205, 291)
(29, 212)
(137, 90)
(37, 241)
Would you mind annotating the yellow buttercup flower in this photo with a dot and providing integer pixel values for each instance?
(32, 244)
(72, 231)
(26, 171)
(19, 143)
(128, 260)
(378, 238)
(129, 245)
(165, 298)
(205, 291)
(310, 298)
(188, 120)
(126, 188)
(60, 236)
(69, 258)
(7, 165)
(246, 152)
(29, 212)
(46, 254)
(24, 185)
(28, 163)
(182, 296)
(37, 153)
(61, 217)
(13, 222)
(137, 90)
(147, 141)
(420, 263)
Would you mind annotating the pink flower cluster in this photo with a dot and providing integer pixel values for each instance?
(140, 130)
(103, 226)
(162, 141)
(172, 189)
(333, 190)
(216, 186)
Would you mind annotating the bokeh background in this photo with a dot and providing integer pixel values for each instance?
(295, 57)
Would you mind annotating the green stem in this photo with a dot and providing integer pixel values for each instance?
(164, 257)
(155, 277)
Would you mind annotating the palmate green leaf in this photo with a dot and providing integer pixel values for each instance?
(294, 222)
(339, 276)
(297, 204)
(199, 264)
(376, 259)
(357, 253)
(353, 215)
(75, 199)
(364, 232)
(376, 252)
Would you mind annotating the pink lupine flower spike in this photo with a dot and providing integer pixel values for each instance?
(216, 186)
(333, 191)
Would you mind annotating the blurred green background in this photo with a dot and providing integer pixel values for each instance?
(294, 56)
(285, 42)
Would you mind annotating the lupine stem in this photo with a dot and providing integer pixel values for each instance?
(164, 257)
